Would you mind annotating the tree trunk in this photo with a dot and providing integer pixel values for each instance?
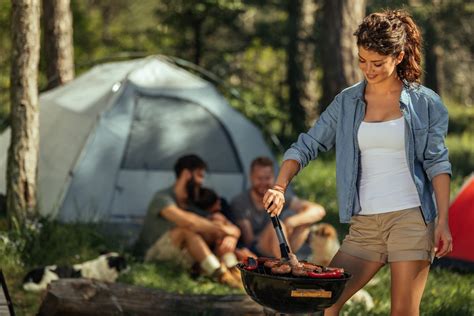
(301, 68)
(339, 51)
(433, 78)
(58, 42)
(77, 297)
(23, 151)
(198, 42)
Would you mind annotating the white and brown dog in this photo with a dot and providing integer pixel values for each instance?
(106, 267)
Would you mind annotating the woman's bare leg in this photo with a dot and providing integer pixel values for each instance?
(408, 283)
(362, 271)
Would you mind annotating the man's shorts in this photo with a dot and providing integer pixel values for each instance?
(164, 250)
(390, 237)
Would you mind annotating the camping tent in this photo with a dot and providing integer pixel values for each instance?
(110, 138)
(461, 223)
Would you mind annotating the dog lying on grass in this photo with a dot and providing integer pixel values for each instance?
(106, 267)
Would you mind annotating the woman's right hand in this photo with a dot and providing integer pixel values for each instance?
(274, 200)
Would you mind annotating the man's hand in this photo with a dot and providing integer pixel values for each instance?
(228, 244)
(224, 230)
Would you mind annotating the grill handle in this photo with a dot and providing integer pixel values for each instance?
(284, 249)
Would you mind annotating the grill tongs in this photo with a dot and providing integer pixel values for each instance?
(284, 248)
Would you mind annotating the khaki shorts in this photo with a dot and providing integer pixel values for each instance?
(390, 237)
(164, 250)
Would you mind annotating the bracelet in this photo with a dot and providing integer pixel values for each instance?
(279, 188)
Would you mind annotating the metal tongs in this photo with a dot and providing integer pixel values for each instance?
(252, 264)
(284, 248)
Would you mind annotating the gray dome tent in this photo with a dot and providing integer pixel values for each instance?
(109, 140)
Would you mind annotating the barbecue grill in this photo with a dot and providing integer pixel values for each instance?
(287, 293)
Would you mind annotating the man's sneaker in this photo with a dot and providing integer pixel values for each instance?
(224, 276)
(236, 274)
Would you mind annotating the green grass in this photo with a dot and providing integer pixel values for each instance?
(446, 294)
(170, 278)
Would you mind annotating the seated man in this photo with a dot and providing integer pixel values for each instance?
(174, 228)
(257, 232)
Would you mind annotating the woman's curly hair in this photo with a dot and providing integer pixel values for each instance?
(389, 33)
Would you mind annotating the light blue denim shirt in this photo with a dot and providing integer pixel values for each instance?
(427, 155)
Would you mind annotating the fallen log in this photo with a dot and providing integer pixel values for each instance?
(78, 297)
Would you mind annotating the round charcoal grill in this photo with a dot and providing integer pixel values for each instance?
(287, 293)
(290, 294)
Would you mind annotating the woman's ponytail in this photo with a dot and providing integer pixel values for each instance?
(410, 67)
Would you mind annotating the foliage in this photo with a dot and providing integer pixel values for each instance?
(231, 35)
(14, 271)
(461, 154)
(460, 141)
(67, 243)
(461, 118)
(263, 106)
(5, 45)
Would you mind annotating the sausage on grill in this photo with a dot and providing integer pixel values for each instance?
(270, 263)
(281, 268)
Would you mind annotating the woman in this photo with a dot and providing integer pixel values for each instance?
(390, 155)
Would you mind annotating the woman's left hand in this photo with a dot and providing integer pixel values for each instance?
(443, 239)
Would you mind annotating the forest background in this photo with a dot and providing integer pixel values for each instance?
(279, 62)
(273, 59)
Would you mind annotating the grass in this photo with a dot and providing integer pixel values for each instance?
(48, 242)
(446, 294)
(168, 277)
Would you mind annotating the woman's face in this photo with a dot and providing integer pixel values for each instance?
(378, 68)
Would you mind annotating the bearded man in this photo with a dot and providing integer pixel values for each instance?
(176, 230)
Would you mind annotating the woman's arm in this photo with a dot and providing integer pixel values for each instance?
(320, 137)
(438, 169)
(274, 198)
(443, 239)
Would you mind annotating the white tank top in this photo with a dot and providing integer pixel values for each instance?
(385, 182)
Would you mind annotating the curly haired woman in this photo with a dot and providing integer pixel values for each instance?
(388, 131)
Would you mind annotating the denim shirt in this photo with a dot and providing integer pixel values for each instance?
(426, 126)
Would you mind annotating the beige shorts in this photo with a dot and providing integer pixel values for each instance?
(164, 250)
(390, 237)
